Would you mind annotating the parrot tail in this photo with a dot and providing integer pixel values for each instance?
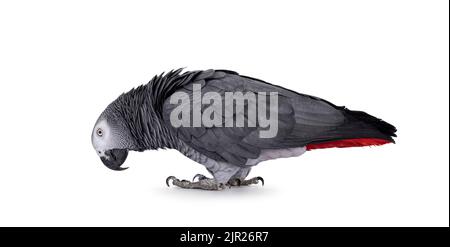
(360, 129)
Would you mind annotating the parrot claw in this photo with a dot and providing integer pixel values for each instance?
(199, 176)
(168, 179)
(260, 179)
(251, 181)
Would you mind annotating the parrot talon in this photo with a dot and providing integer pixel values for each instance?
(170, 178)
(200, 177)
(260, 179)
(251, 181)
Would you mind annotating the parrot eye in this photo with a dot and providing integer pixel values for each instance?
(99, 132)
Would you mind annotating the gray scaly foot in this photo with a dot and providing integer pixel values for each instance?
(238, 182)
(203, 183)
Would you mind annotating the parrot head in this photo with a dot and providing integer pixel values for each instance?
(112, 139)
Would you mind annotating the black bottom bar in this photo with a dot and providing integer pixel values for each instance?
(227, 236)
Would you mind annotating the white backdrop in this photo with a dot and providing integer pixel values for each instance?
(62, 63)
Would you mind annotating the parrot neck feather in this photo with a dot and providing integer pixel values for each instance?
(141, 110)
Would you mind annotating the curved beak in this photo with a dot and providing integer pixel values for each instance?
(114, 158)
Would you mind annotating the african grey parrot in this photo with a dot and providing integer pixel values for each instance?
(142, 119)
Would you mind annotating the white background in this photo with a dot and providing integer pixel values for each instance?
(62, 63)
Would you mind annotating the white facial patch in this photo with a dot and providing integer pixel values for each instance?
(101, 138)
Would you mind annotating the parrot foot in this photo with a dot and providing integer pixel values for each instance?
(238, 182)
(204, 183)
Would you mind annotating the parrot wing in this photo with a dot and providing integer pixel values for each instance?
(302, 120)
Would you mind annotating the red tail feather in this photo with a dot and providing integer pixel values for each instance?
(361, 142)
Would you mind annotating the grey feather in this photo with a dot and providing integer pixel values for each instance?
(303, 119)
